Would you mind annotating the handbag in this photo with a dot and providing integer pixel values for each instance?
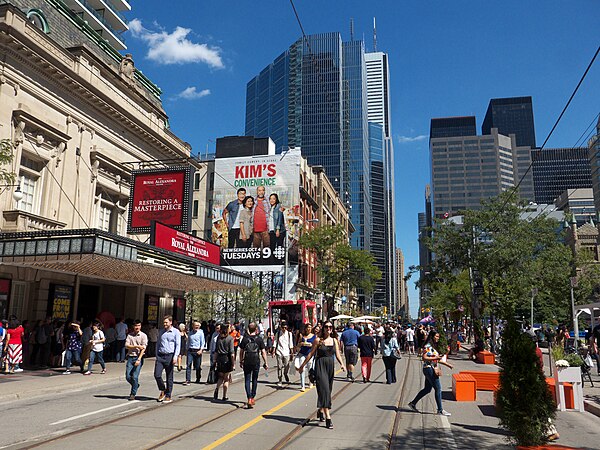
(212, 374)
(312, 375)
(437, 370)
(397, 354)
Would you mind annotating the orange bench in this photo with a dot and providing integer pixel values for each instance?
(464, 387)
(486, 357)
(569, 397)
(485, 381)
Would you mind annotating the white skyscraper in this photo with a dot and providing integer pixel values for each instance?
(378, 103)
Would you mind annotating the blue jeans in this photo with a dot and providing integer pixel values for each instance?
(132, 373)
(195, 359)
(73, 356)
(94, 355)
(431, 382)
(120, 350)
(251, 376)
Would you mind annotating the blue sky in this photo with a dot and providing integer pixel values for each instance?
(447, 58)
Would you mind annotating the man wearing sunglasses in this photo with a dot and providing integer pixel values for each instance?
(284, 352)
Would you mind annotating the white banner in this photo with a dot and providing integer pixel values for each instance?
(255, 210)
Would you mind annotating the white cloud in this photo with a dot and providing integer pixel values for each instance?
(408, 139)
(175, 47)
(190, 93)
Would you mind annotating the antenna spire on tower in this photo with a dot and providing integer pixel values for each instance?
(351, 29)
(374, 36)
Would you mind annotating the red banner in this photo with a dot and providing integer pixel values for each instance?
(175, 241)
(161, 196)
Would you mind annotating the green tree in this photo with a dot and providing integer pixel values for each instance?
(340, 266)
(6, 157)
(508, 253)
(524, 402)
(201, 306)
(252, 303)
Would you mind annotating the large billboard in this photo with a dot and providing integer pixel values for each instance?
(162, 195)
(255, 210)
(170, 239)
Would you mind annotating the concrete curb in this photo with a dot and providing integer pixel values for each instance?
(592, 407)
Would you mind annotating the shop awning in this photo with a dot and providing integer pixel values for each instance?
(112, 269)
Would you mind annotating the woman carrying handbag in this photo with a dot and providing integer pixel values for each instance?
(390, 351)
(432, 371)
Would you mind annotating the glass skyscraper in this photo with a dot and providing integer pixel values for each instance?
(513, 115)
(314, 96)
(557, 169)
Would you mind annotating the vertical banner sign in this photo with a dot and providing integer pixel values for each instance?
(162, 195)
(61, 301)
(151, 309)
(255, 211)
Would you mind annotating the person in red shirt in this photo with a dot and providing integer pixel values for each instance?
(261, 213)
(14, 354)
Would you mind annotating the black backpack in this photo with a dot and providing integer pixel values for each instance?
(251, 356)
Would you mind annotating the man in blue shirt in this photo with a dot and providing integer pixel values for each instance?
(167, 351)
(350, 340)
(195, 346)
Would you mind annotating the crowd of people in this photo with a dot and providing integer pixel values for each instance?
(309, 350)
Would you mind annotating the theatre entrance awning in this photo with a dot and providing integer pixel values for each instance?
(104, 256)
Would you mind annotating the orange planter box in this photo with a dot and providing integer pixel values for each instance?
(569, 397)
(464, 387)
(486, 381)
(486, 357)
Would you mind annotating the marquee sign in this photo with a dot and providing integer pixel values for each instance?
(170, 239)
(159, 195)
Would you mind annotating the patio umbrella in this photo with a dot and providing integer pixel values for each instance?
(341, 316)
(426, 320)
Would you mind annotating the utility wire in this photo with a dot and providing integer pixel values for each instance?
(516, 187)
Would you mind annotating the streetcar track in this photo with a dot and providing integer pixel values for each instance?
(396, 423)
(298, 429)
(38, 443)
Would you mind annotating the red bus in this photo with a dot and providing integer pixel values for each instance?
(295, 312)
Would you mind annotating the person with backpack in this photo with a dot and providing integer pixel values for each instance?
(284, 349)
(252, 348)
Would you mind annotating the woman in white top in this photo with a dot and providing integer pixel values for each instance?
(97, 350)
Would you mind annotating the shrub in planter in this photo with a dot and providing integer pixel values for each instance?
(524, 402)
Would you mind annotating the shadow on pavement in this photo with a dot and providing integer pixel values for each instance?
(126, 397)
(286, 419)
(488, 410)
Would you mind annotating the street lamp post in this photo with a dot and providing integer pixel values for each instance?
(575, 324)
(534, 292)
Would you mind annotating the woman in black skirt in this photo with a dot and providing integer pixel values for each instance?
(224, 351)
(323, 349)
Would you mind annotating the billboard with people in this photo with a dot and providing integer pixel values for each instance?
(255, 210)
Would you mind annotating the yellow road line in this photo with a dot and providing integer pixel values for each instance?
(254, 421)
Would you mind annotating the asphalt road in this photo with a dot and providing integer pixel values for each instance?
(372, 415)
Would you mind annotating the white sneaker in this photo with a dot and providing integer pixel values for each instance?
(67, 372)
(443, 412)
(302, 390)
(280, 384)
(18, 370)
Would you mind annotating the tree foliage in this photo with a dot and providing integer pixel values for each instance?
(252, 304)
(509, 253)
(340, 266)
(524, 402)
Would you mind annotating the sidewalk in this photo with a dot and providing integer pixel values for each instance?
(576, 429)
(39, 383)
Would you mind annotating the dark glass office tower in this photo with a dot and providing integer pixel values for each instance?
(378, 195)
(512, 115)
(452, 127)
(314, 96)
(557, 169)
